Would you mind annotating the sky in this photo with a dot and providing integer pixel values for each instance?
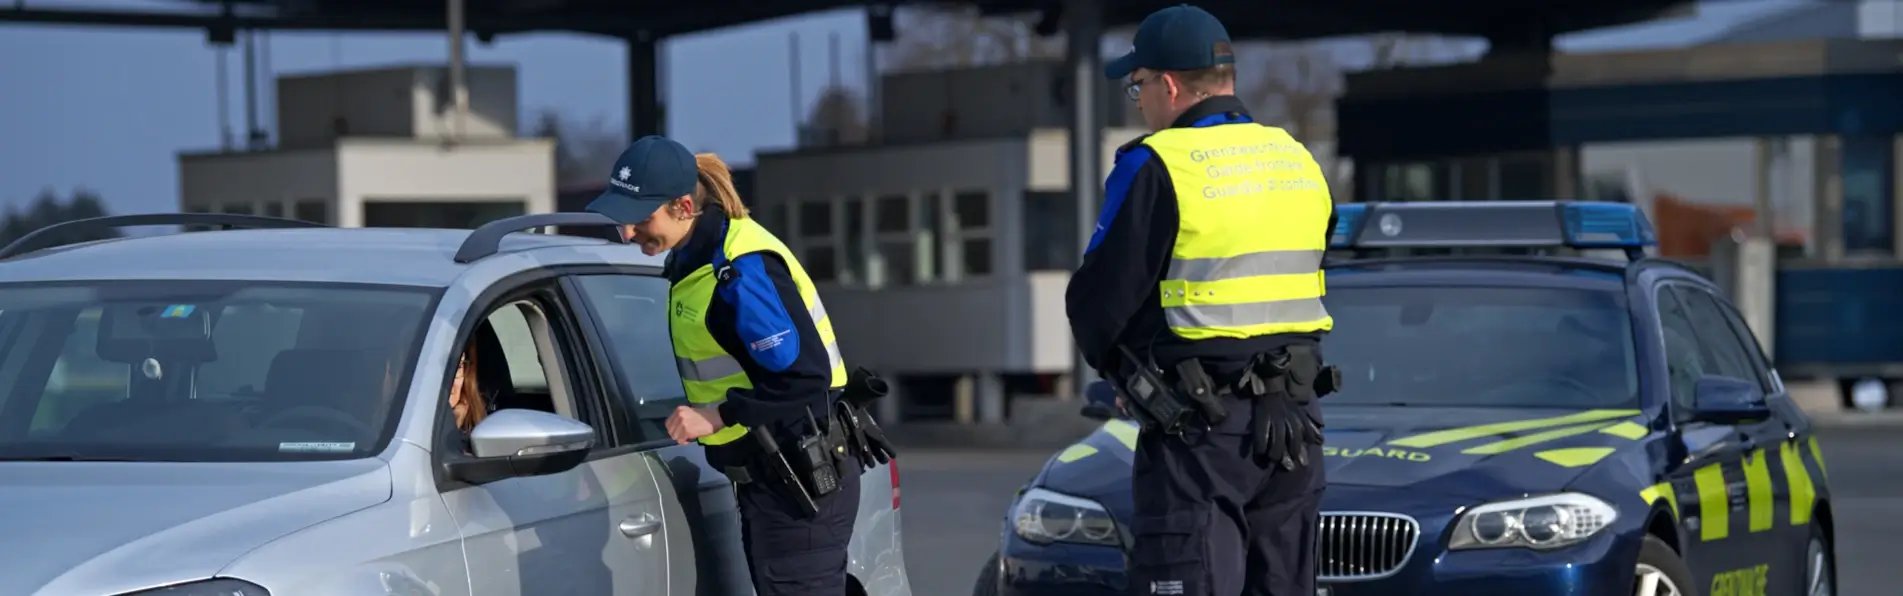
(109, 109)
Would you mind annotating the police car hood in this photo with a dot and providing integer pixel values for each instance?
(1472, 452)
(1460, 452)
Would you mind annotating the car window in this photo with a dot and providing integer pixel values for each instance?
(1724, 351)
(201, 370)
(1760, 364)
(1482, 346)
(631, 314)
(511, 327)
(1683, 362)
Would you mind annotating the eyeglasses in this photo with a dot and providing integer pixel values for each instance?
(1135, 88)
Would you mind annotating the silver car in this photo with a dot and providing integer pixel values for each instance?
(260, 411)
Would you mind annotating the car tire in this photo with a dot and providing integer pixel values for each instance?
(988, 578)
(1660, 571)
(1820, 565)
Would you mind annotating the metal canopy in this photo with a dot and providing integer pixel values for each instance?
(1495, 19)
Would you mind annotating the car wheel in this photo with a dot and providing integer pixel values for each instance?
(987, 578)
(1819, 574)
(1660, 572)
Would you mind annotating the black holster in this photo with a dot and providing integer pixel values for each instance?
(859, 432)
(804, 470)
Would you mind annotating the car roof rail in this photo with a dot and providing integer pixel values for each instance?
(487, 239)
(47, 237)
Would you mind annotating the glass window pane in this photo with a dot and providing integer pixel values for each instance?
(273, 209)
(1683, 364)
(1868, 185)
(856, 253)
(901, 263)
(1050, 240)
(1525, 178)
(820, 263)
(1539, 347)
(175, 370)
(1476, 179)
(632, 313)
(977, 256)
(816, 218)
(1726, 353)
(313, 210)
(895, 214)
(973, 210)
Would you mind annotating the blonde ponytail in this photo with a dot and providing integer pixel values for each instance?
(715, 185)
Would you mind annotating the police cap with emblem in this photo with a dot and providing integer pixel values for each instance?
(1180, 37)
(652, 171)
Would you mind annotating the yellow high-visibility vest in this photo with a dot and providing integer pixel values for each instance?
(707, 370)
(1254, 211)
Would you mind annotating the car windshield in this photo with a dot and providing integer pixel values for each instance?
(1481, 346)
(202, 371)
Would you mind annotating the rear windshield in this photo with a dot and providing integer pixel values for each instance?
(202, 371)
(1482, 346)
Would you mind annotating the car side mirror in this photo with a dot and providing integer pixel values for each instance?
(516, 442)
(1727, 400)
(1100, 401)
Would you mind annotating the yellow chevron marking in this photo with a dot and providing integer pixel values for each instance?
(1533, 439)
(1662, 490)
(1626, 429)
(1576, 456)
(1453, 435)
(1075, 452)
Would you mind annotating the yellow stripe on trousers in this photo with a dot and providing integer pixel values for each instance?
(1798, 478)
(1757, 480)
(1713, 505)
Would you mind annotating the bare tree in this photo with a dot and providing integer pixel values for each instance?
(945, 36)
(837, 118)
(583, 152)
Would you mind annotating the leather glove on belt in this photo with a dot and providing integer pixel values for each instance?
(1282, 387)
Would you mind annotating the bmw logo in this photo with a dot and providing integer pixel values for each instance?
(1390, 225)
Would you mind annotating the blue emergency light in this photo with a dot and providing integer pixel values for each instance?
(1506, 224)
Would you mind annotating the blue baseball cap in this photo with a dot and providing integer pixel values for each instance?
(650, 172)
(1180, 37)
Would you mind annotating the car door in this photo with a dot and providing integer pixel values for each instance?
(594, 529)
(627, 327)
(1724, 486)
(1779, 442)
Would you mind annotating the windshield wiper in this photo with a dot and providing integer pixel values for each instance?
(64, 457)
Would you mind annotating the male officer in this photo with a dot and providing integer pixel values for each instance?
(1205, 268)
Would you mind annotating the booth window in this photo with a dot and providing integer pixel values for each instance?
(1869, 183)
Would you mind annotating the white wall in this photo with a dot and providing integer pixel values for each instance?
(423, 171)
(209, 182)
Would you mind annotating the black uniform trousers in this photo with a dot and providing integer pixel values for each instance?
(1213, 519)
(793, 555)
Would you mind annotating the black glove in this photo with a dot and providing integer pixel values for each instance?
(1286, 429)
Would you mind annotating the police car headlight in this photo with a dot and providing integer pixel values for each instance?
(1043, 517)
(1546, 522)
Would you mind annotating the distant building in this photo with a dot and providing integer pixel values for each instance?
(373, 148)
(943, 248)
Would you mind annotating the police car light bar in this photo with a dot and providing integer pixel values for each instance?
(1524, 224)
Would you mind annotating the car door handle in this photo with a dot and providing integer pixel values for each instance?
(636, 527)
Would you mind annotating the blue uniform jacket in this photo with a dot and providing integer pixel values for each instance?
(758, 317)
(1112, 298)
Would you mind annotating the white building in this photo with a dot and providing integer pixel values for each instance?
(378, 148)
(944, 248)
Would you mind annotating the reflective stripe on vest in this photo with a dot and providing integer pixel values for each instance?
(707, 370)
(1253, 208)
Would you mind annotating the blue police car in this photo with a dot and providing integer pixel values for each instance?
(1519, 416)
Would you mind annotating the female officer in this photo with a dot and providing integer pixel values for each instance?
(754, 347)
